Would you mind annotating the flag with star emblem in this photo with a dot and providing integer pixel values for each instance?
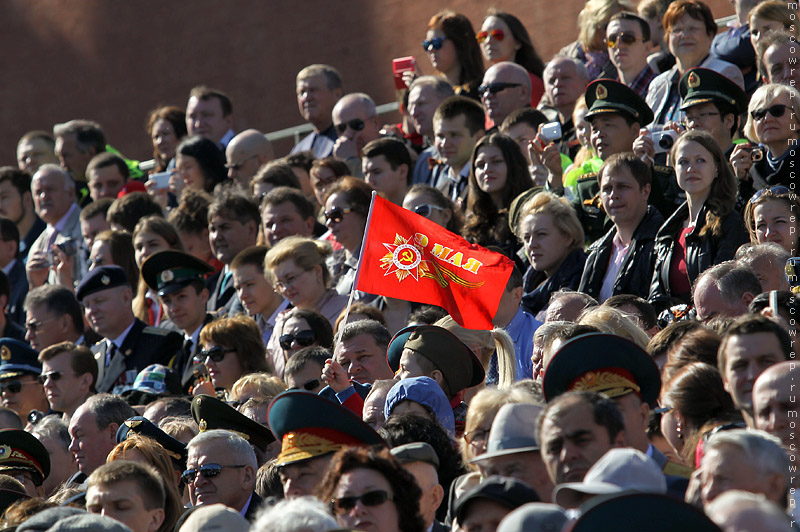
(406, 256)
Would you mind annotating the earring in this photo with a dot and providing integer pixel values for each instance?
(678, 429)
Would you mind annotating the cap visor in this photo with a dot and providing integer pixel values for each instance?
(503, 452)
(571, 494)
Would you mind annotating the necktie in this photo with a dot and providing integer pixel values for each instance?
(110, 353)
(225, 279)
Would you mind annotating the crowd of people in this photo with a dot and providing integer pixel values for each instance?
(184, 347)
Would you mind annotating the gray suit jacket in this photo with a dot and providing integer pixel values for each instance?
(72, 229)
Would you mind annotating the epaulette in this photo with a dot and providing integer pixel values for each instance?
(677, 470)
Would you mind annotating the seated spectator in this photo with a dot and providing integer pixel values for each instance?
(772, 404)
(358, 312)
(386, 166)
(768, 262)
(94, 222)
(553, 240)
(319, 87)
(770, 217)
(613, 321)
(565, 80)
(19, 207)
(15, 286)
(131, 493)
(362, 354)
(568, 305)
(69, 377)
(272, 175)
(106, 174)
(19, 378)
(301, 163)
(303, 369)
(485, 505)
(166, 127)
(209, 113)
(304, 328)
(375, 400)
(127, 211)
(34, 149)
(788, 306)
(54, 315)
(115, 248)
(151, 235)
(628, 37)
(425, 94)
(199, 165)
(522, 125)
(294, 515)
(725, 290)
(323, 174)
(505, 89)
(260, 386)
(503, 37)
(777, 53)
(638, 309)
(356, 121)
(190, 220)
(53, 433)
(246, 153)
(420, 396)
(456, 55)
(285, 211)
(739, 510)
(700, 344)
(77, 141)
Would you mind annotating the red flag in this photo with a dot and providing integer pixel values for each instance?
(406, 256)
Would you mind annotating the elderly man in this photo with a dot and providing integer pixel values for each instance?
(77, 141)
(355, 118)
(34, 149)
(107, 174)
(93, 429)
(725, 291)
(128, 344)
(737, 510)
(319, 87)
(772, 403)
(16, 204)
(749, 346)
(506, 87)
(69, 376)
(565, 79)
(209, 113)
(130, 492)
(628, 38)
(246, 153)
(421, 461)
(747, 460)
(52, 316)
(54, 435)
(54, 198)
(221, 468)
(779, 53)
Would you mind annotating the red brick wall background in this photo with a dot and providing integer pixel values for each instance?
(113, 61)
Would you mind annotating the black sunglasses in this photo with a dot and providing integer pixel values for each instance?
(52, 375)
(336, 214)
(434, 44)
(308, 386)
(14, 386)
(355, 124)
(777, 110)
(216, 354)
(623, 38)
(342, 505)
(494, 88)
(207, 470)
(425, 209)
(772, 191)
(303, 338)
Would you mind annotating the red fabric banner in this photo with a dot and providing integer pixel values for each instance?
(406, 256)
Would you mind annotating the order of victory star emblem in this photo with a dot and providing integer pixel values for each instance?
(403, 259)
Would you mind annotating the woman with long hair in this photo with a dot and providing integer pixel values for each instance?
(151, 234)
(454, 52)
(166, 127)
(199, 164)
(115, 248)
(772, 215)
(705, 230)
(498, 174)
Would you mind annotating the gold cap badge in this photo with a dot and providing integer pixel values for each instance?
(693, 80)
(601, 92)
(203, 425)
(5, 353)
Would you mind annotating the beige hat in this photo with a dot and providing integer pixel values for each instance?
(215, 518)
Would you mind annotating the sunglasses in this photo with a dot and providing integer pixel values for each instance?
(216, 354)
(777, 110)
(52, 375)
(434, 44)
(236, 166)
(308, 386)
(772, 191)
(303, 338)
(207, 471)
(336, 215)
(623, 38)
(34, 326)
(342, 505)
(494, 88)
(425, 209)
(355, 124)
(497, 35)
(14, 386)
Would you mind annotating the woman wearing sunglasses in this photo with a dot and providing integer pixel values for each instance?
(454, 52)
(772, 123)
(771, 215)
(504, 38)
(232, 347)
(498, 174)
(706, 229)
(435, 206)
(368, 490)
(304, 328)
(346, 208)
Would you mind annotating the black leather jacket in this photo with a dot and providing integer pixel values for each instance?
(636, 271)
(701, 252)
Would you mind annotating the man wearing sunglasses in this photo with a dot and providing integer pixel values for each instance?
(69, 375)
(319, 87)
(53, 315)
(506, 87)
(386, 164)
(355, 118)
(247, 152)
(19, 378)
(627, 36)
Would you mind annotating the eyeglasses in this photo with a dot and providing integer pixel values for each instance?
(14, 386)
(336, 215)
(425, 209)
(342, 505)
(777, 110)
(434, 44)
(34, 326)
(772, 191)
(494, 88)
(52, 375)
(497, 35)
(308, 386)
(662, 409)
(624, 38)
(686, 30)
(288, 281)
(216, 354)
(476, 436)
(207, 471)
(303, 338)
(355, 124)
(237, 166)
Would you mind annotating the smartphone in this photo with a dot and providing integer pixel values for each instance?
(161, 179)
(400, 65)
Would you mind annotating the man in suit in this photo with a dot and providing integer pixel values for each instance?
(52, 316)
(16, 203)
(128, 344)
(420, 459)
(233, 221)
(13, 267)
(54, 198)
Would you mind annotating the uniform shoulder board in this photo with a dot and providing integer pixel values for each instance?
(663, 169)
(156, 331)
(677, 470)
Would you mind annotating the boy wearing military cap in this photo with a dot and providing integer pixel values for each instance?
(179, 280)
(311, 429)
(24, 457)
(128, 344)
(19, 378)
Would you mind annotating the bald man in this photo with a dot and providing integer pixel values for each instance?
(355, 118)
(246, 153)
(506, 87)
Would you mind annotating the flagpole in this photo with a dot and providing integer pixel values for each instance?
(358, 271)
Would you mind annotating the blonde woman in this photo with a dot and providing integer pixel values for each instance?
(614, 321)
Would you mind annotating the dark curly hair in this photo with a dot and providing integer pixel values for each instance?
(404, 487)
